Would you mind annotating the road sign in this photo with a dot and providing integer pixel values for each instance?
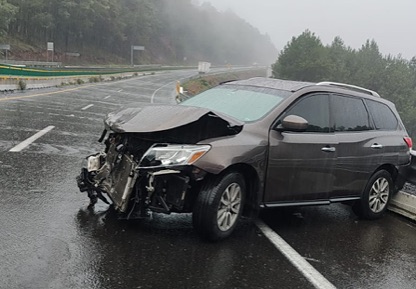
(4, 46)
(74, 54)
(50, 46)
(134, 47)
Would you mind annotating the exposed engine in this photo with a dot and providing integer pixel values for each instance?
(147, 163)
(136, 183)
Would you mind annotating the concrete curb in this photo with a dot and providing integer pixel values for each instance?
(11, 84)
(404, 204)
(14, 87)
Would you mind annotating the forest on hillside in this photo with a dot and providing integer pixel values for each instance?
(172, 32)
(305, 58)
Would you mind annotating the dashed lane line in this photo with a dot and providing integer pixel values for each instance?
(87, 107)
(21, 146)
(310, 273)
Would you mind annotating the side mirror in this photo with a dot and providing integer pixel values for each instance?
(294, 123)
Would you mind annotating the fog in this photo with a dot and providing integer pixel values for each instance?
(390, 23)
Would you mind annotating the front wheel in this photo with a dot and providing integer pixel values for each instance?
(376, 196)
(219, 206)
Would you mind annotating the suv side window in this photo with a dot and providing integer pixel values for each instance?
(349, 114)
(315, 109)
(384, 118)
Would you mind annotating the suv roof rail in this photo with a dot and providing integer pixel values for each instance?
(351, 87)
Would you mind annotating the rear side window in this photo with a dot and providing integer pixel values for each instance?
(349, 114)
(384, 118)
(315, 109)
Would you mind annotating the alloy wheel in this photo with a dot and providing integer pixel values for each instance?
(379, 195)
(229, 207)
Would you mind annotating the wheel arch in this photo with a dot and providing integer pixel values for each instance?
(375, 199)
(392, 170)
(252, 182)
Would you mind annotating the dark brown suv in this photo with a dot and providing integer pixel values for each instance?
(250, 144)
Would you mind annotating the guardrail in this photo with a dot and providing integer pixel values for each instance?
(7, 71)
(14, 71)
(404, 204)
(32, 63)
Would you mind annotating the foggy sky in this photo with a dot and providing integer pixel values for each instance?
(391, 23)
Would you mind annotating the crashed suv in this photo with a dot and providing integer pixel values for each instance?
(251, 144)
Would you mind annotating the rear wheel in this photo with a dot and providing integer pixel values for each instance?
(376, 196)
(219, 206)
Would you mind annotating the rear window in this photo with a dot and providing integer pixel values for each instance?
(349, 114)
(384, 118)
(241, 102)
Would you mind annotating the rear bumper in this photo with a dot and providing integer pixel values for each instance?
(411, 169)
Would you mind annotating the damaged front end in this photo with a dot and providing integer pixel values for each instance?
(140, 177)
(144, 171)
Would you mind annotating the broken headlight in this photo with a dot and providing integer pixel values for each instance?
(94, 162)
(166, 155)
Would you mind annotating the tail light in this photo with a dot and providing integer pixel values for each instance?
(408, 141)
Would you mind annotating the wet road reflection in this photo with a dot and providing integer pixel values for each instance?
(351, 253)
(166, 253)
(51, 239)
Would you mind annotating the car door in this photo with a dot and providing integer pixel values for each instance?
(301, 164)
(360, 146)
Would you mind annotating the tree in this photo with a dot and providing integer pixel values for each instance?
(7, 14)
(340, 60)
(369, 66)
(170, 30)
(304, 58)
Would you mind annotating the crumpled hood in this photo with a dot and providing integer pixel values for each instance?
(174, 121)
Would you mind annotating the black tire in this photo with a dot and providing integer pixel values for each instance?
(376, 196)
(219, 206)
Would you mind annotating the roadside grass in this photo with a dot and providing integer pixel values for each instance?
(204, 82)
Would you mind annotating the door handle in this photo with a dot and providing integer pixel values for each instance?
(328, 149)
(376, 146)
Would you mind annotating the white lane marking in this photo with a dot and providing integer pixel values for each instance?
(107, 97)
(120, 90)
(87, 107)
(310, 273)
(154, 93)
(31, 139)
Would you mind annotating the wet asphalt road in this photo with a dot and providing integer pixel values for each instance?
(50, 239)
